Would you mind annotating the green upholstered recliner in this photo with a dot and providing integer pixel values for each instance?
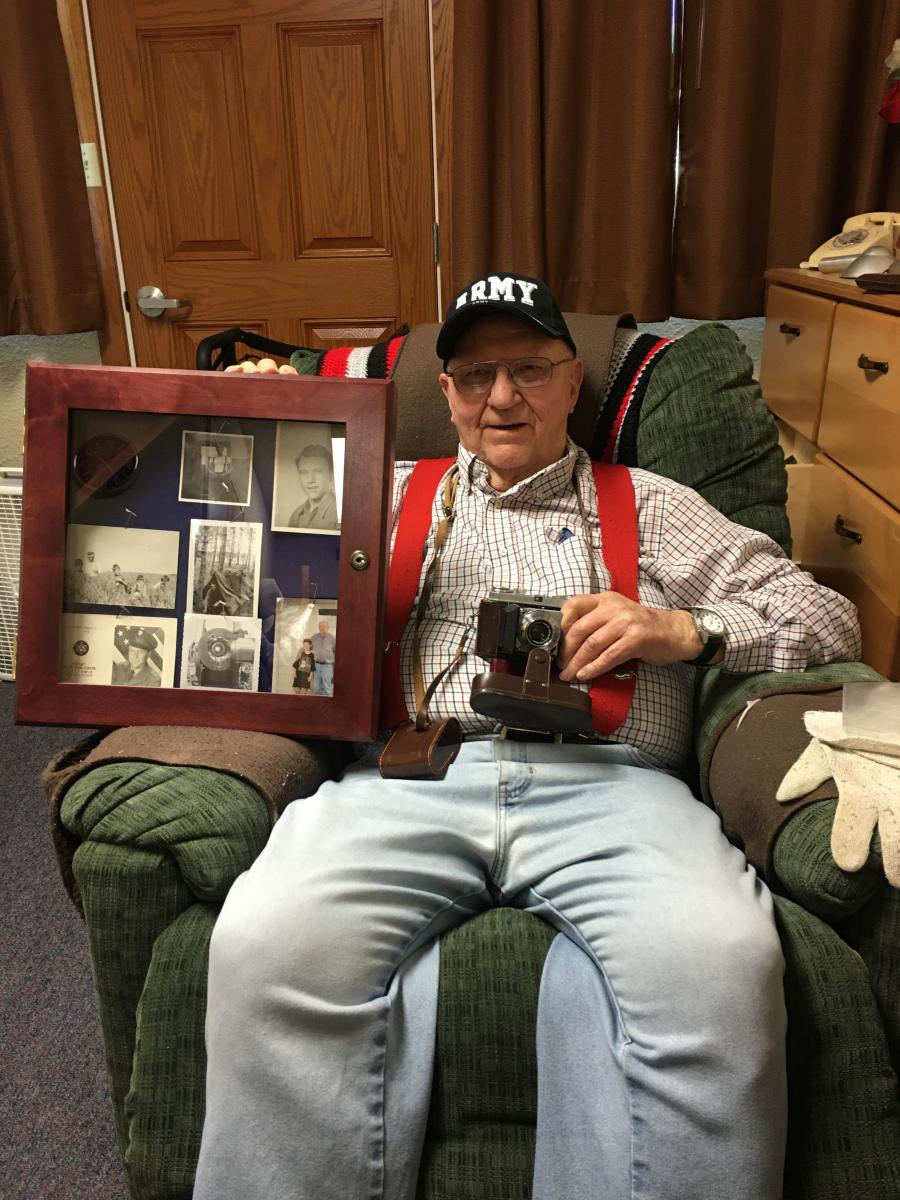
(151, 850)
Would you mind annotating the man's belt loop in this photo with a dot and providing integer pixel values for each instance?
(403, 579)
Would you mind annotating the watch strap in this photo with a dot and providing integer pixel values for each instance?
(712, 643)
(709, 651)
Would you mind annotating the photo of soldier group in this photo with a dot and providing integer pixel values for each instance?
(127, 568)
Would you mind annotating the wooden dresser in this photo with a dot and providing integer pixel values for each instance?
(831, 375)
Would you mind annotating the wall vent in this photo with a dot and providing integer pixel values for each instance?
(10, 553)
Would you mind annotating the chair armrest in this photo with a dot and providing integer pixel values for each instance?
(171, 810)
(806, 871)
(749, 731)
(210, 824)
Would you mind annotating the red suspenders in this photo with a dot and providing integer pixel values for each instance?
(611, 696)
(403, 578)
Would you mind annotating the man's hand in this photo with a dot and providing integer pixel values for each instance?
(603, 631)
(265, 366)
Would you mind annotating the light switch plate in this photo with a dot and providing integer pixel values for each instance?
(91, 160)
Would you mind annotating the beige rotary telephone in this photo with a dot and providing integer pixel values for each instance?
(860, 233)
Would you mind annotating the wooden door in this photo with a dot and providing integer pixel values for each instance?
(271, 166)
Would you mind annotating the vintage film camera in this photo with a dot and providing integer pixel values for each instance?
(519, 635)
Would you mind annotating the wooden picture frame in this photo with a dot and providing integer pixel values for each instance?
(70, 478)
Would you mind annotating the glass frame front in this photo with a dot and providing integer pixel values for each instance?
(230, 485)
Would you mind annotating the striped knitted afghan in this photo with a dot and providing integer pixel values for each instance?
(351, 362)
(634, 357)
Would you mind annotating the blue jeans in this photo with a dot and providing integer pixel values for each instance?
(661, 1020)
(324, 679)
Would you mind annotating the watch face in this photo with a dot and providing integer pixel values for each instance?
(712, 623)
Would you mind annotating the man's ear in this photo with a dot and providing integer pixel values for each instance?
(444, 380)
(577, 378)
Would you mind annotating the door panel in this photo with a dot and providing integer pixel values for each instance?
(270, 164)
(200, 144)
(339, 160)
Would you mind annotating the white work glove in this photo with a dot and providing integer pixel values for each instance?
(867, 773)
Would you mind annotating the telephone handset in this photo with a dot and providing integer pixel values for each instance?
(860, 233)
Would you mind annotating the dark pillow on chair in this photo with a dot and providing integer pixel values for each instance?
(704, 423)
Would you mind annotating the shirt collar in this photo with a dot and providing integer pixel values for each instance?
(546, 484)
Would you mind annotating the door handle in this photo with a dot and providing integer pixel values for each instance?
(789, 330)
(153, 302)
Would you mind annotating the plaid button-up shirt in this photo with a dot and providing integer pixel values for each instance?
(533, 538)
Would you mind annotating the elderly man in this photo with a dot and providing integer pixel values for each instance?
(323, 645)
(323, 963)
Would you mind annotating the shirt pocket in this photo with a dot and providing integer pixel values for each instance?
(571, 567)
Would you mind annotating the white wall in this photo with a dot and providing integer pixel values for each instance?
(15, 352)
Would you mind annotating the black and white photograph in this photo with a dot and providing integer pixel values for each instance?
(221, 652)
(128, 568)
(216, 468)
(100, 649)
(305, 640)
(309, 477)
(140, 656)
(223, 568)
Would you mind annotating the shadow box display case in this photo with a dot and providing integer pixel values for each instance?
(193, 552)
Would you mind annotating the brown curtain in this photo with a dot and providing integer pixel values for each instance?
(48, 269)
(563, 148)
(780, 139)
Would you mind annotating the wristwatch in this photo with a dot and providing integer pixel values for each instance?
(712, 630)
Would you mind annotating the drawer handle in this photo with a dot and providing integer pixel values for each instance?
(841, 529)
(789, 330)
(872, 364)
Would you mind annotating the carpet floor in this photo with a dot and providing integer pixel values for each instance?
(57, 1140)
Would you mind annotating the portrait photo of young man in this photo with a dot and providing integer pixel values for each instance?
(308, 478)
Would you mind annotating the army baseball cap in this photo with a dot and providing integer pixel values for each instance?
(519, 295)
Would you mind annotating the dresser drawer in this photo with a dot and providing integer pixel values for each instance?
(866, 571)
(860, 425)
(795, 352)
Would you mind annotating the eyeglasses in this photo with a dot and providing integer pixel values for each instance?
(476, 379)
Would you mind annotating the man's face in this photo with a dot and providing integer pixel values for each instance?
(514, 431)
(315, 477)
(323, 627)
(137, 656)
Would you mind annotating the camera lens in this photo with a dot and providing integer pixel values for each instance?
(538, 633)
